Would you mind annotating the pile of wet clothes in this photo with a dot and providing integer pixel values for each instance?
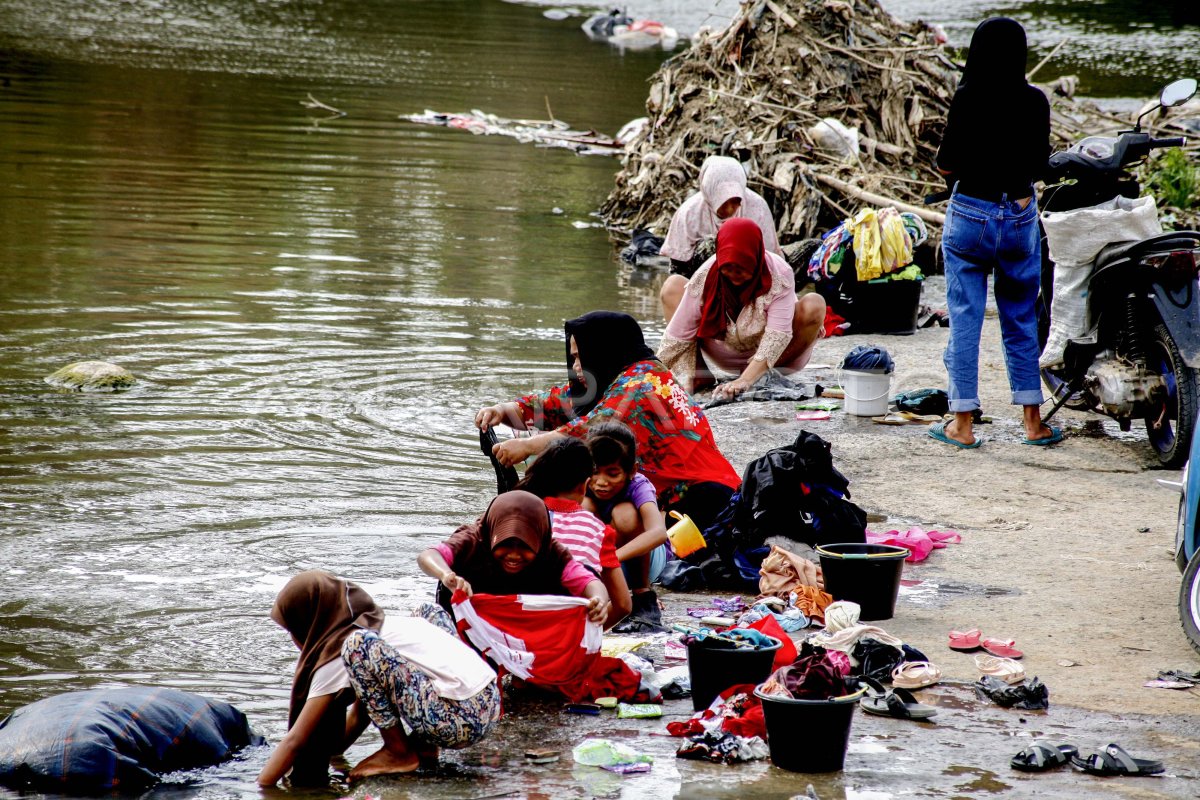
(729, 731)
(815, 674)
(871, 651)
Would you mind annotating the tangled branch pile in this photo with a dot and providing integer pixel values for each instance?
(754, 90)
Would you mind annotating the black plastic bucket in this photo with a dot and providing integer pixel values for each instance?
(867, 574)
(808, 735)
(714, 666)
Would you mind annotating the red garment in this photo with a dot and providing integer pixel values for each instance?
(548, 641)
(675, 444)
(740, 242)
(771, 627)
(735, 710)
(833, 323)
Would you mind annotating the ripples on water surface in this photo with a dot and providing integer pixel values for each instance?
(314, 307)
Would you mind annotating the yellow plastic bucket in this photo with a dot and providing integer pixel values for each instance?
(684, 535)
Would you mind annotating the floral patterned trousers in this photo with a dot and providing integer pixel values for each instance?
(394, 690)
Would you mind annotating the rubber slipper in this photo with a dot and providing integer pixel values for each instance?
(938, 431)
(1039, 757)
(1056, 436)
(1001, 648)
(915, 675)
(898, 703)
(965, 641)
(1115, 761)
(1005, 669)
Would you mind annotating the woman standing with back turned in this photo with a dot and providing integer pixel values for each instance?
(996, 144)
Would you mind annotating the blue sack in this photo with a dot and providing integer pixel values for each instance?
(104, 740)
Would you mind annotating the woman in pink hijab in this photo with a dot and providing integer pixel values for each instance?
(723, 194)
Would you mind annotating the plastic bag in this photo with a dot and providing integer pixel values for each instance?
(606, 753)
(831, 135)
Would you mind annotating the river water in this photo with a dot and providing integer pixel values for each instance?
(314, 306)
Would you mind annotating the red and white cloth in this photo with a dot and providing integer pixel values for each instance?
(589, 540)
(548, 641)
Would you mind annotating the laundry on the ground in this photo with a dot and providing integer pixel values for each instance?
(773, 385)
(549, 642)
(919, 542)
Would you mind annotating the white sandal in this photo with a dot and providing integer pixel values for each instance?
(915, 675)
(1006, 669)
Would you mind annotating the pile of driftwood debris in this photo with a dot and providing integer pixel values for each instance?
(830, 104)
(759, 90)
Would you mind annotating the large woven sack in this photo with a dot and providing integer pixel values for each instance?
(1075, 239)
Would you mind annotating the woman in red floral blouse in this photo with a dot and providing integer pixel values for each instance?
(612, 374)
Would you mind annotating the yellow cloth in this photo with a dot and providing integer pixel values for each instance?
(881, 244)
(615, 646)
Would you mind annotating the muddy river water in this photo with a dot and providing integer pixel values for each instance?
(314, 307)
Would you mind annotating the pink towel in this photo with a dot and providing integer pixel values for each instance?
(920, 543)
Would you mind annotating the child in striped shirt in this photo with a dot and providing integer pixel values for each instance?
(560, 477)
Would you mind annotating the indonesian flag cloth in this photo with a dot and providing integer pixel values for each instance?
(548, 641)
(736, 710)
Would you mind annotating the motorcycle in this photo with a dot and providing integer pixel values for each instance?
(1140, 354)
(1187, 544)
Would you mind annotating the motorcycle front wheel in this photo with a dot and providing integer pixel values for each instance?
(1170, 424)
(1189, 602)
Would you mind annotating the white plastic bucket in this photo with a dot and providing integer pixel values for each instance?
(866, 392)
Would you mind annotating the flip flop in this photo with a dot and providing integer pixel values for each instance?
(938, 431)
(965, 641)
(1001, 648)
(1115, 761)
(1005, 669)
(1056, 436)
(1040, 757)
(898, 703)
(915, 675)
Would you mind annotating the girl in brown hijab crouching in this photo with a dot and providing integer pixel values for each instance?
(402, 674)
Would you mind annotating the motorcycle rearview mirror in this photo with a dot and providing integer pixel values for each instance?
(1177, 93)
(1173, 94)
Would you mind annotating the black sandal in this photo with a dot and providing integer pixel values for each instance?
(1115, 761)
(896, 702)
(1039, 757)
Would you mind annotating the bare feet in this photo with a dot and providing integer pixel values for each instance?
(428, 756)
(385, 762)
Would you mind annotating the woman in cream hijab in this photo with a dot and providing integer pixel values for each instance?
(723, 194)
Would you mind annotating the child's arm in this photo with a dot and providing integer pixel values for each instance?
(654, 533)
(618, 594)
(599, 604)
(284, 754)
(434, 564)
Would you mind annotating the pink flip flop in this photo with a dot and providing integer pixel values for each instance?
(1002, 648)
(965, 641)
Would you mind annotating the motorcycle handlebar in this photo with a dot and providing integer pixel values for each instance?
(1175, 141)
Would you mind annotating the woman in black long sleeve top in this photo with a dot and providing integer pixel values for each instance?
(996, 144)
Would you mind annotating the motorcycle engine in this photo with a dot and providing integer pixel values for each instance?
(1121, 388)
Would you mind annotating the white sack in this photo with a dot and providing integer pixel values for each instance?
(831, 135)
(1075, 239)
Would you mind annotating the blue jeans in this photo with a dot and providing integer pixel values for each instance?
(982, 237)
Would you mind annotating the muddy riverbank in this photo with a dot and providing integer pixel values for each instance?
(1052, 555)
